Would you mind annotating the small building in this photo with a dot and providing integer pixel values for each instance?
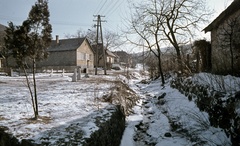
(225, 40)
(110, 57)
(123, 58)
(68, 54)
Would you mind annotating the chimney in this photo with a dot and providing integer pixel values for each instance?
(57, 39)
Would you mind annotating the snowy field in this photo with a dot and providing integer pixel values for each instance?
(62, 101)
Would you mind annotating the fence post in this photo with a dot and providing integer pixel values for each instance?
(74, 77)
(63, 71)
(79, 73)
(11, 72)
(51, 74)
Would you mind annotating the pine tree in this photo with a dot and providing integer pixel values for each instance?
(28, 43)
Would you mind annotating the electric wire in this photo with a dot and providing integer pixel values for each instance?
(114, 8)
(107, 7)
(102, 6)
(98, 7)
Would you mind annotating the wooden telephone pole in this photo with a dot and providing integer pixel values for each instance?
(99, 26)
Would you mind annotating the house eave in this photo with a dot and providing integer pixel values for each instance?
(234, 7)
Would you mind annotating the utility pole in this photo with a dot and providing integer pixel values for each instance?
(99, 25)
(97, 58)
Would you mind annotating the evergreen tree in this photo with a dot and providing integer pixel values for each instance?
(28, 43)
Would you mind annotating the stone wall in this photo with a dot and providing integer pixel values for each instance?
(220, 106)
(110, 130)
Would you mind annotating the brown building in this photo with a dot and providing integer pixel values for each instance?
(225, 40)
(110, 57)
(69, 54)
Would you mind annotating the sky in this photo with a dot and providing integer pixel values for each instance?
(69, 16)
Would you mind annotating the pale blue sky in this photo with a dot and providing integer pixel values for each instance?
(68, 16)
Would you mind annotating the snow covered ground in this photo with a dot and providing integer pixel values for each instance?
(162, 116)
(165, 117)
(61, 101)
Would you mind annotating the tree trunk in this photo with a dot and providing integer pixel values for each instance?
(30, 90)
(231, 52)
(179, 59)
(35, 88)
(160, 70)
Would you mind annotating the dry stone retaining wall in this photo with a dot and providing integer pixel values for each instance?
(110, 130)
(220, 106)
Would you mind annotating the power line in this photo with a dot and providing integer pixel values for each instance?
(10, 18)
(99, 5)
(107, 7)
(69, 23)
(113, 8)
(102, 6)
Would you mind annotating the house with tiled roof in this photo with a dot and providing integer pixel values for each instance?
(110, 57)
(225, 40)
(69, 54)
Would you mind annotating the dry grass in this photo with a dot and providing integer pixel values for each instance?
(121, 94)
(40, 119)
(2, 118)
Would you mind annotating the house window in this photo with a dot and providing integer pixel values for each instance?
(86, 56)
(81, 56)
(90, 57)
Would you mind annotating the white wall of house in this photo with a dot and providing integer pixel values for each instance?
(110, 59)
(85, 56)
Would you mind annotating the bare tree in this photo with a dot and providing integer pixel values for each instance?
(112, 40)
(227, 40)
(146, 23)
(79, 34)
(174, 20)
